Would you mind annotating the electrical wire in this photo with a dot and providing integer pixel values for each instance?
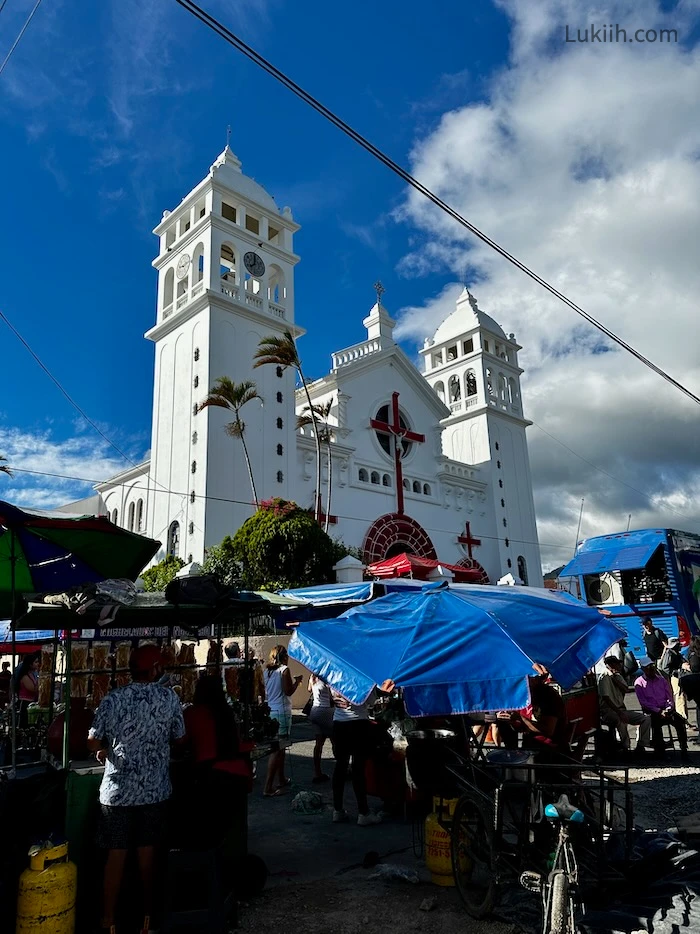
(21, 33)
(243, 502)
(2, 5)
(362, 141)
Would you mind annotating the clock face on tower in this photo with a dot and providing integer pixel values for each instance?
(254, 264)
(183, 264)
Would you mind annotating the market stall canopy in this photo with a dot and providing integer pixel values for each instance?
(327, 594)
(25, 642)
(456, 651)
(54, 552)
(421, 567)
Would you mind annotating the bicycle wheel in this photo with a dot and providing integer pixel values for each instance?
(474, 857)
(560, 907)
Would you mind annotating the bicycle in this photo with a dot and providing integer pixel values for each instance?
(561, 902)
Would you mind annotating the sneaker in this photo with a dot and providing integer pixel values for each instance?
(339, 817)
(367, 820)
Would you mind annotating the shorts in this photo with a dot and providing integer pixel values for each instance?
(321, 719)
(284, 718)
(123, 828)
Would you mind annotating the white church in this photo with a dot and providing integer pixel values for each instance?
(432, 463)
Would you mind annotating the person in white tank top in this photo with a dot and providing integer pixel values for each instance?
(279, 688)
(321, 718)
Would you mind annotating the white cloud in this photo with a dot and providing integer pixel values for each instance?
(583, 162)
(48, 472)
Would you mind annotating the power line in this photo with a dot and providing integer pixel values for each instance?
(2, 5)
(309, 99)
(21, 33)
(243, 502)
(646, 496)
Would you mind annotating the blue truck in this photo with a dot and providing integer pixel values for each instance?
(649, 572)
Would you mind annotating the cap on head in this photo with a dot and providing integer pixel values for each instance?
(646, 662)
(144, 659)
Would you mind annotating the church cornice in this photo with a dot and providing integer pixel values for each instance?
(133, 473)
(482, 410)
(209, 299)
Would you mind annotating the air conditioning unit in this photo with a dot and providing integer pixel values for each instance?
(603, 589)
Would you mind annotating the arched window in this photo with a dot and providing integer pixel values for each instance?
(503, 503)
(139, 516)
(439, 388)
(510, 563)
(280, 476)
(426, 489)
(191, 528)
(182, 286)
(386, 480)
(406, 484)
(196, 354)
(198, 263)
(416, 486)
(513, 395)
(193, 468)
(500, 483)
(502, 387)
(196, 382)
(505, 522)
(132, 513)
(280, 371)
(280, 423)
(276, 290)
(374, 477)
(362, 475)
(489, 382)
(470, 382)
(195, 409)
(454, 389)
(194, 437)
(168, 290)
(115, 517)
(280, 450)
(173, 545)
(280, 397)
(193, 496)
(228, 267)
(522, 569)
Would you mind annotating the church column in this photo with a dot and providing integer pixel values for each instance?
(343, 399)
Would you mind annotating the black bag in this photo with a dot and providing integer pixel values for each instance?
(202, 589)
(306, 709)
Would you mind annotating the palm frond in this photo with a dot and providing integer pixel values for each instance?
(235, 429)
(4, 468)
(304, 420)
(277, 350)
(225, 394)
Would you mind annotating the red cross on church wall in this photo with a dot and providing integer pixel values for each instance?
(467, 539)
(398, 432)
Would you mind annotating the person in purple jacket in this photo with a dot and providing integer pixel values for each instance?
(655, 698)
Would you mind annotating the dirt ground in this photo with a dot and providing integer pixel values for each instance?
(316, 881)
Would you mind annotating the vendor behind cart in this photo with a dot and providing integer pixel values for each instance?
(131, 735)
(544, 724)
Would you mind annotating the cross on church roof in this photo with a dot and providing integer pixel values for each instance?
(380, 290)
(228, 136)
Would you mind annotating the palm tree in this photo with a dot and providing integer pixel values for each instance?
(4, 468)
(282, 351)
(322, 412)
(225, 394)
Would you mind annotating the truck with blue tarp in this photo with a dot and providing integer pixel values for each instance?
(649, 572)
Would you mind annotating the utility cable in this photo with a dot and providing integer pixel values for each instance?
(243, 502)
(309, 99)
(21, 33)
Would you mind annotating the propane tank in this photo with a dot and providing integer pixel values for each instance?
(438, 851)
(46, 899)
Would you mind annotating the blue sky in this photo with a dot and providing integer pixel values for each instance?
(111, 112)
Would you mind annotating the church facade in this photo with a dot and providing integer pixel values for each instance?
(434, 462)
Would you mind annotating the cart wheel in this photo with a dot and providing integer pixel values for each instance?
(474, 857)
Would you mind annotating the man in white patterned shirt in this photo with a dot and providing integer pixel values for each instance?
(131, 735)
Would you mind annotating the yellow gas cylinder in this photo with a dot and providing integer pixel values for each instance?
(46, 900)
(438, 852)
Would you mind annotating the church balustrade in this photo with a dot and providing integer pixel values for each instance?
(277, 310)
(455, 406)
(253, 300)
(364, 349)
(197, 288)
(182, 301)
(230, 290)
(168, 310)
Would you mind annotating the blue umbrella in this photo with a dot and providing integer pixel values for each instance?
(456, 651)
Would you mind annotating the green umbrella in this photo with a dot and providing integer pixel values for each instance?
(41, 553)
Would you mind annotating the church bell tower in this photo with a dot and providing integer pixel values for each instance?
(225, 281)
(473, 367)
